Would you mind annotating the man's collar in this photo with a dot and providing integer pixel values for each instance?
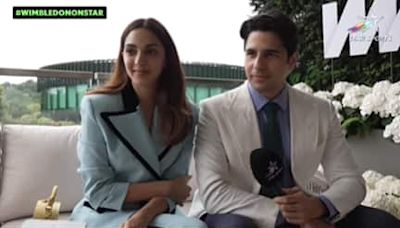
(260, 100)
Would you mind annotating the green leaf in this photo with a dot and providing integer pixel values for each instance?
(355, 126)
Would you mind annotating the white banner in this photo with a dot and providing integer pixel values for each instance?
(381, 24)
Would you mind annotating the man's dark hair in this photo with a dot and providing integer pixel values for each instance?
(276, 22)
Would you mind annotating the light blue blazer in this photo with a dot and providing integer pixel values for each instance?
(116, 149)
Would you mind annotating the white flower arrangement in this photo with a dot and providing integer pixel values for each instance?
(394, 90)
(374, 102)
(303, 87)
(324, 95)
(393, 129)
(361, 108)
(354, 96)
(383, 192)
(371, 177)
(341, 88)
(393, 106)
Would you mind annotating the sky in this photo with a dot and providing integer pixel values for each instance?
(203, 31)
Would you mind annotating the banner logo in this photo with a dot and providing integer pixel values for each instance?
(382, 19)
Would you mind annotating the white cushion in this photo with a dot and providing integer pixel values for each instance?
(18, 222)
(34, 158)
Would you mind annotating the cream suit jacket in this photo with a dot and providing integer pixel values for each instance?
(227, 133)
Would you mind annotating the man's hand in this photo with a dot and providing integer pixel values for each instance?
(299, 208)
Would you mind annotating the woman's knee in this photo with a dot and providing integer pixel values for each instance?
(197, 223)
(178, 221)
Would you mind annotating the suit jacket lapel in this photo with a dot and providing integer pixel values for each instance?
(302, 117)
(128, 125)
(244, 125)
(246, 133)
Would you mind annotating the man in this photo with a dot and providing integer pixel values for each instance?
(234, 126)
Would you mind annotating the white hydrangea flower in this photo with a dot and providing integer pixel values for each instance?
(385, 194)
(372, 197)
(303, 87)
(381, 86)
(395, 201)
(371, 177)
(393, 129)
(388, 184)
(324, 95)
(341, 87)
(392, 106)
(384, 100)
(338, 106)
(374, 102)
(369, 196)
(383, 201)
(354, 96)
(394, 90)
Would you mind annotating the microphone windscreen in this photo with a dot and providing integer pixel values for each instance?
(265, 165)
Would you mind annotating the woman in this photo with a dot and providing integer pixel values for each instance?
(136, 137)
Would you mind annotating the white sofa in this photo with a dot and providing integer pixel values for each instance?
(34, 158)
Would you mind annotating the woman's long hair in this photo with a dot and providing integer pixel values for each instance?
(176, 117)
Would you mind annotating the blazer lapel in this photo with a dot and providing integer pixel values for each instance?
(128, 125)
(303, 144)
(167, 154)
(244, 126)
(170, 157)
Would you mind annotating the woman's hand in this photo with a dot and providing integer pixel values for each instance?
(138, 220)
(178, 189)
(143, 217)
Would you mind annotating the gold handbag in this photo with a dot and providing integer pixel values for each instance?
(48, 208)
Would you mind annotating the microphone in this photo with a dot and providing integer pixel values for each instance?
(267, 168)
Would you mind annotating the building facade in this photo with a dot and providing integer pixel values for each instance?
(60, 97)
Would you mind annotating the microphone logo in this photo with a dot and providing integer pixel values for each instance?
(266, 166)
(272, 170)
